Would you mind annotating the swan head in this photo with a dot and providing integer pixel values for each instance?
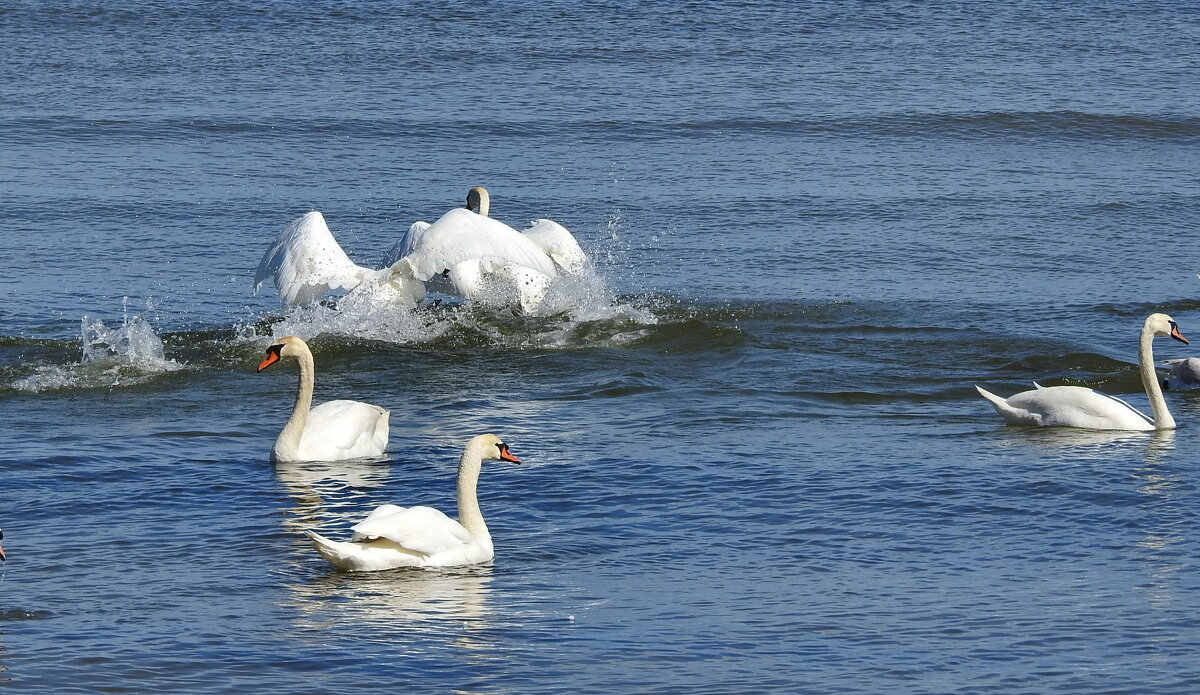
(478, 198)
(288, 346)
(1163, 325)
(491, 448)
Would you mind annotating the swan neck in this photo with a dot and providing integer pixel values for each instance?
(469, 514)
(289, 439)
(1163, 419)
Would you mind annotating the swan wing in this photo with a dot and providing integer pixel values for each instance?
(557, 242)
(306, 261)
(421, 529)
(461, 235)
(344, 429)
(1069, 406)
(405, 245)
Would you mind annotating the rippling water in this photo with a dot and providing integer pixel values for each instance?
(754, 459)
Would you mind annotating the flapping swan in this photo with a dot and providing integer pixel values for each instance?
(331, 431)
(1185, 373)
(306, 261)
(394, 536)
(1077, 406)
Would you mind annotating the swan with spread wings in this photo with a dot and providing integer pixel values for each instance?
(482, 259)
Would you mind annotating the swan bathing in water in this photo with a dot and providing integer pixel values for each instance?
(1078, 406)
(480, 257)
(393, 536)
(332, 431)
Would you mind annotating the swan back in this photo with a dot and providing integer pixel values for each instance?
(1068, 406)
(461, 235)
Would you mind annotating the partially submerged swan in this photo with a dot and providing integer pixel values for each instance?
(393, 536)
(1078, 406)
(1185, 373)
(332, 431)
(473, 251)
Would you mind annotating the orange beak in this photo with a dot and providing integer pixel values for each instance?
(506, 456)
(271, 358)
(1177, 335)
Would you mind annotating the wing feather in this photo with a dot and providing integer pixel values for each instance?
(306, 261)
(461, 235)
(557, 242)
(422, 529)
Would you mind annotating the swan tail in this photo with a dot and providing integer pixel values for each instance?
(1016, 416)
(338, 554)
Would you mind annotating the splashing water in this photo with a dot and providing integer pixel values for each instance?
(126, 355)
(572, 307)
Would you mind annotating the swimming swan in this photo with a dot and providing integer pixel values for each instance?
(1185, 373)
(331, 431)
(306, 262)
(393, 536)
(1077, 406)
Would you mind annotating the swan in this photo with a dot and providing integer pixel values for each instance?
(468, 248)
(393, 536)
(1077, 406)
(1185, 373)
(331, 431)
(555, 240)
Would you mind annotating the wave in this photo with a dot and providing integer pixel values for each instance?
(1071, 125)
(838, 353)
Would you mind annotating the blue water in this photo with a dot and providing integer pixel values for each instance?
(754, 459)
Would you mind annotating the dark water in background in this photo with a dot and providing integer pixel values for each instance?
(755, 461)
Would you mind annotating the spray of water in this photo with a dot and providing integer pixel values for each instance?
(121, 356)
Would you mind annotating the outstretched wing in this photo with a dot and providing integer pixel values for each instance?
(559, 244)
(461, 235)
(305, 262)
(405, 245)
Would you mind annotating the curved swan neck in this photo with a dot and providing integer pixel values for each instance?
(1163, 419)
(469, 514)
(289, 439)
(478, 197)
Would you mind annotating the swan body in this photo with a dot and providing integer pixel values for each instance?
(1078, 406)
(1185, 373)
(306, 262)
(332, 431)
(393, 536)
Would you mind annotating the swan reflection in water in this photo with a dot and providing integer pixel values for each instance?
(326, 491)
(409, 610)
(1085, 444)
(1165, 532)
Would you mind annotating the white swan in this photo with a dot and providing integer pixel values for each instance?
(332, 431)
(1185, 373)
(306, 262)
(394, 536)
(1077, 406)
